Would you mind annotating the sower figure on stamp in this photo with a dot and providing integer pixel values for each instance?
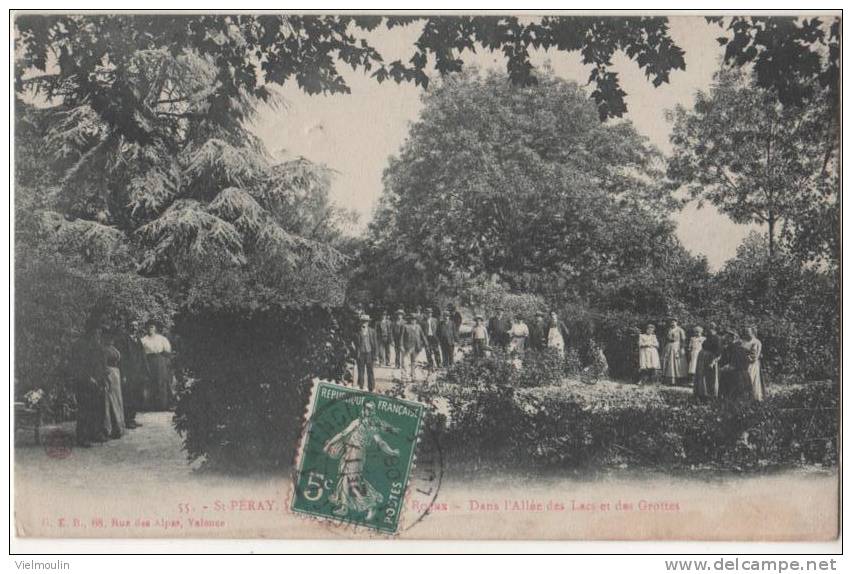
(353, 492)
(366, 345)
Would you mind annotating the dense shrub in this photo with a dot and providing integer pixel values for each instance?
(53, 299)
(666, 430)
(252, 373)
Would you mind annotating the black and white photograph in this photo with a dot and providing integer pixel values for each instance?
(512, 275)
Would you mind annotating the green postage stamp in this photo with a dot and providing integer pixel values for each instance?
(355, 457)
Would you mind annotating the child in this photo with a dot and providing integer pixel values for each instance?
(649, 355)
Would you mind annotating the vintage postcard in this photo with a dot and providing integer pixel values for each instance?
(407, 276)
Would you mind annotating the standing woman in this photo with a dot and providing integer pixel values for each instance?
(674, 355)
(89, 373)
(695, 344)
(158, 353)
(518, 335)
(114, 415)
(649, 355)
(753, 348)
(706, 380)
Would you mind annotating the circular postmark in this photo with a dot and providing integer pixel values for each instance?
(58, 443)
(365, 467)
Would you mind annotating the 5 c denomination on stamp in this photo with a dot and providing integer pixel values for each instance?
(356, 456)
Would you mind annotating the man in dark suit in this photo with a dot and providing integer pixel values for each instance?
(366, 345)
(538, 332)
(429, 324)
(385, 335)
(498, 329)
(397, 328)
(447, 336)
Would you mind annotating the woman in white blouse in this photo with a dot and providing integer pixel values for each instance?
(158, 353)
(518, 335)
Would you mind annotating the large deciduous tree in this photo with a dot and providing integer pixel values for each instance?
(521, 183)
(760, 160)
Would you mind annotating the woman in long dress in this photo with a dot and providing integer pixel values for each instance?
(114, 404)
(706, 380)
(518, 335)
(674, 354)
(695, 344)
(353, 492)
(649, 355)
(158, 353)
(753, 348)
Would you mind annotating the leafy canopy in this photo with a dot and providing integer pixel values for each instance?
(523, 183)
(760, 160)
(89, 57)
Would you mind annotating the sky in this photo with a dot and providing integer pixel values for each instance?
(356, 133)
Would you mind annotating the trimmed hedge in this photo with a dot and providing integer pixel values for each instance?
(252, 374)
(667, 429)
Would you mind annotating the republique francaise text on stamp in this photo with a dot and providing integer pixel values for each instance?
(355, 457)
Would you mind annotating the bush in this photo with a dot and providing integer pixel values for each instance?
(486, 296)
(664, 429)
(53, 299)
(253, 372)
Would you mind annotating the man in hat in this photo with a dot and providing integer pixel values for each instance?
(479, 337)
(498, 329)
(429, 324)
(412, 341)
(455, 316)
(538, 332)
(366, 345)
(385, 333)
(447, 336)
(397, 328)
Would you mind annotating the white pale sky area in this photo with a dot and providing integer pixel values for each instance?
(355, 133)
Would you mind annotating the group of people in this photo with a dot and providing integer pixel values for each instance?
(437, 334)
(117, 374)
(725, 364)
(407, 334)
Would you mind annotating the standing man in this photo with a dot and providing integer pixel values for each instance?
(538, 332)
(397, 329)
(134, 373)
(385, 334)
(479, 337)
(498, 329)
(447, 335)
(413, 340)
(454, 315)
(366, 344)
(429, 324)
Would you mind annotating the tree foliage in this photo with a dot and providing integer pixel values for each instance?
(93, 55)
(794, 57)
(523, 184)
(762, 161)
